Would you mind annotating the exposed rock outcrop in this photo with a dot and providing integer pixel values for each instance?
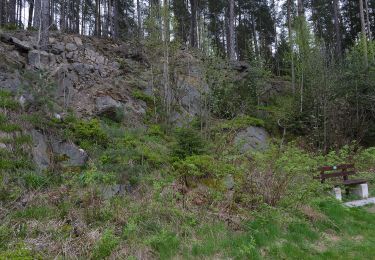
(252, 138)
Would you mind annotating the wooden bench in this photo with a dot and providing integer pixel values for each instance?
(343, 171)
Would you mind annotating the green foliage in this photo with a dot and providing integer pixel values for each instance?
(35, 212)
(35, 181)
(138, 94)
(105, 246)
(20, 252)
(88, 132)
(165, 243)
(202, 166)
(9, 128)
(189, 142)
(5, 236)
(240, 122)
(7, 101)
(95, 177)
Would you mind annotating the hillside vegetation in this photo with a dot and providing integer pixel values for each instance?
(99, 161)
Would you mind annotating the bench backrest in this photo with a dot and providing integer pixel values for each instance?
(342, 170)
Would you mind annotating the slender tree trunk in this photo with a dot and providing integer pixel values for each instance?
(337, 28)
(363, 31)
(97, 19)
(12, 11)
(139, 17)
(193, 29)
(44, 27)
(2, 13)
(115, 19)
(369, 32)
(291, 45)
(31, 11)
(37, 14)
(77, 12)
(166, 15)
(62, 15)
(232, 37)
(300, 8)
(256, 47)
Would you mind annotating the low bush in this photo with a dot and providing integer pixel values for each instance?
(105, 246)
(189, 142)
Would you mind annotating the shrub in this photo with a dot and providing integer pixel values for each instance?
(7, 101)
(189, 142)
(104, 247)
(165, 243)
(94, 176)
(240, 122)
(8, 128)
(90, 131)
(198, 166)
(142, 96)
(35, 212)
(34, 181)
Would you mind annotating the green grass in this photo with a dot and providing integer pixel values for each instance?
(7, 101)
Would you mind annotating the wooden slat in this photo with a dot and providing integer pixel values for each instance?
(352, 182)
(338, 167)
(334, 175)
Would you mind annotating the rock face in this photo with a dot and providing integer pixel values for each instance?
(64, 153)
(69, 154)
(40, 150)
(107, 106)
(252, 139)
(191, 87)
(40, 59)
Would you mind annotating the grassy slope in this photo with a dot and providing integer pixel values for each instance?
(63, 213)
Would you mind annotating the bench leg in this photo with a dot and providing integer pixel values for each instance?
(361, 190)
(337, 193)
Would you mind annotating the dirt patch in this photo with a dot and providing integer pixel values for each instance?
(371, 209)
(312, 214)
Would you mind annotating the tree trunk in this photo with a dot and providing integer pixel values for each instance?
(31, 10)
(289, 18)
(369, 32)
(300, 8)
(363, 31)
(2, 13)
(97, 19)
(44, 27)
(37, 14)
(166, 15)
(62, 15)
(115, 19)
(337, 28)
(193, 29)
(12, 11)
(232, 37)
(139, 17)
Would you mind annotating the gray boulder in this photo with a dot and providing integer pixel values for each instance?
(107, 106)
(21, 45)
(58, 48)
(109, 191)
(71, 47)
(252, 139)
(40, 150)
(40, 59)
(69, 154)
